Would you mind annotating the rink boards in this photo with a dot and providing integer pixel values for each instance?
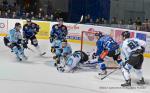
(75, 31)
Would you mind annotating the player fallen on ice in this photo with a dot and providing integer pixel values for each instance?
(132, 50)
(15, 41)
(61, 49)
(59, 30)
(106, 46)
(72, 62)
(30, 30)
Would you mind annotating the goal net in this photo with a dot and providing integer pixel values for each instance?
(88, 45)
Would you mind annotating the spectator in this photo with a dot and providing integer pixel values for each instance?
(97, 22)
(39, 16)
(146, 25)
(32, 14)
(102, 21)
(138, 23)
(114, 20)
(5, 15)
(130, 22)
(52, 17)
(121, 22)
(23, 15)
(27, 15)
(91, 22)
(9, 13)
(88, 18)
(41, 12)
(14, 15)
(47, 18)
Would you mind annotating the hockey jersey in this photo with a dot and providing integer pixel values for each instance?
(30, 30)
(106, 43)
(59, 31)
(130, 45)
(14, 36)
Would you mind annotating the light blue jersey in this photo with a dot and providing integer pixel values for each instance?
(67, 50)
(14, 36)
(57, 45)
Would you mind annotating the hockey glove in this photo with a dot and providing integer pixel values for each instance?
(53, 50)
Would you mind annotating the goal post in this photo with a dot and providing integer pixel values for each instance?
(88, 45)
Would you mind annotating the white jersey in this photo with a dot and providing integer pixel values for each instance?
(130, 45)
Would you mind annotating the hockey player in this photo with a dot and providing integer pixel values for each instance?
(57, 50)
(106, 46)
(15, 41)
(132, 50)
(29, 33)
(58, 30)
(61, 49)
(66, 49)
(73, 61)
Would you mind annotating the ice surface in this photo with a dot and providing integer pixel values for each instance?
(37, 75)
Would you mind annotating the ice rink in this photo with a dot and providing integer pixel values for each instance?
(37, 75)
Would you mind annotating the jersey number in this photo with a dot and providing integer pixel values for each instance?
(132, 44)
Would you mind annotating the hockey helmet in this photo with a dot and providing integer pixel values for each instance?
(126, 34)
(99, 34)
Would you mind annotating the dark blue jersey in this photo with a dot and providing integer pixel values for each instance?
(30, 30)
(59, 31)
(106, 43)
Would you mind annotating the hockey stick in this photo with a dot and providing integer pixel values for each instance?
(109, 73)
(81, 19)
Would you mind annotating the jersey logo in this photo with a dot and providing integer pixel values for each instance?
(132, 44)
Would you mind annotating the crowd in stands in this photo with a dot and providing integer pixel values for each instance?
(13, 11)
(136, 24)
